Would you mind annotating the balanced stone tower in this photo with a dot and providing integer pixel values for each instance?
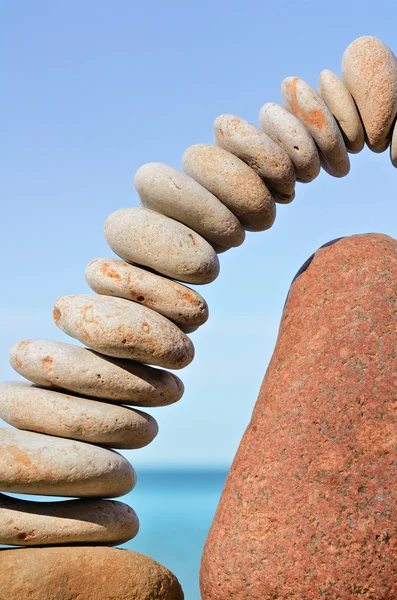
(80, 403)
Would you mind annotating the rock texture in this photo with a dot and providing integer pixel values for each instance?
(152, 240)
(233, 182)
(27, 406)
(173, 300)
(124, 329)
(309, 507)
(260, 152)
(172, 193)
(369, 71)
(287, 131)
(307, 105)
(27, 523)
(32, 463)
(64, 366)
(84, 573)
(341, 104)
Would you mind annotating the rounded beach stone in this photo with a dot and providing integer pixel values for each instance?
(341, 104)
(260, 152)
(307, 105)
(86, 573)
(369, 71)
(26, 406)
(72, 368)
(32, 463)
(393, 147)
(289, 133)
(173, 300)
(152, 240)
(233, 182)
(172, 193)
(124, 329)
(83, 521)
(310, 504)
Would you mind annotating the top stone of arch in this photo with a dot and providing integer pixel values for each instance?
(369, 71)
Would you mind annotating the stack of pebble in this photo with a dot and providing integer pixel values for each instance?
(141, 313)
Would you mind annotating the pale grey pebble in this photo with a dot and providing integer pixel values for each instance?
(33, 463)
(291, 135)
(181, 304)
(144, 237)
(72, 368)
(306, 104)
(259, 152)
(341, 104)
(393, 147)
(124, 329)
(234, 183)
(176, 195)
(369, 71)
(82, 521)
(27, 406)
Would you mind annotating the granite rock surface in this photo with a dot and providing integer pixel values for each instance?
(309, 506)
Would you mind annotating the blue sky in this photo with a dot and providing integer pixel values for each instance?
(94, 89)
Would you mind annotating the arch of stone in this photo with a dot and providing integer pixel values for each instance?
(308, 510)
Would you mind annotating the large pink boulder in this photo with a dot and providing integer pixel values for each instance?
(309, 508)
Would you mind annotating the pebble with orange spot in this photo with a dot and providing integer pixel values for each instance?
(123, 329)
(173, 300)
(302, 100)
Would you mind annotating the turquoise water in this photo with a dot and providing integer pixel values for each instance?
(175, 510)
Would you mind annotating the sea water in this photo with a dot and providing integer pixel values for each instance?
(175, 510)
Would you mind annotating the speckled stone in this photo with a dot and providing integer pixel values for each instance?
(258, 150)
(233, 182)
(291, 135)
(152, 240)
(83, 521)
(71, 368)
(340, 102)
(84, 573)
(124, 329)
(369, 71)
(309, 507)
(307, 105)
(172, 193)
(175, 301)
(26, 406)
(33, 463)
(393, 147)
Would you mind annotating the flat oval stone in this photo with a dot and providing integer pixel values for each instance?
(233, 182)
(342, 106)
(84, 573)
(124, 329)
(289, 133)
(32, 463)
(172, 193)
(66, 367)
(152, 240)
(259, 152)
(310, 505)
(89, 521)
(307, 105)
(173, 300)
(393, 147)
(26, 406)
(369, 71)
